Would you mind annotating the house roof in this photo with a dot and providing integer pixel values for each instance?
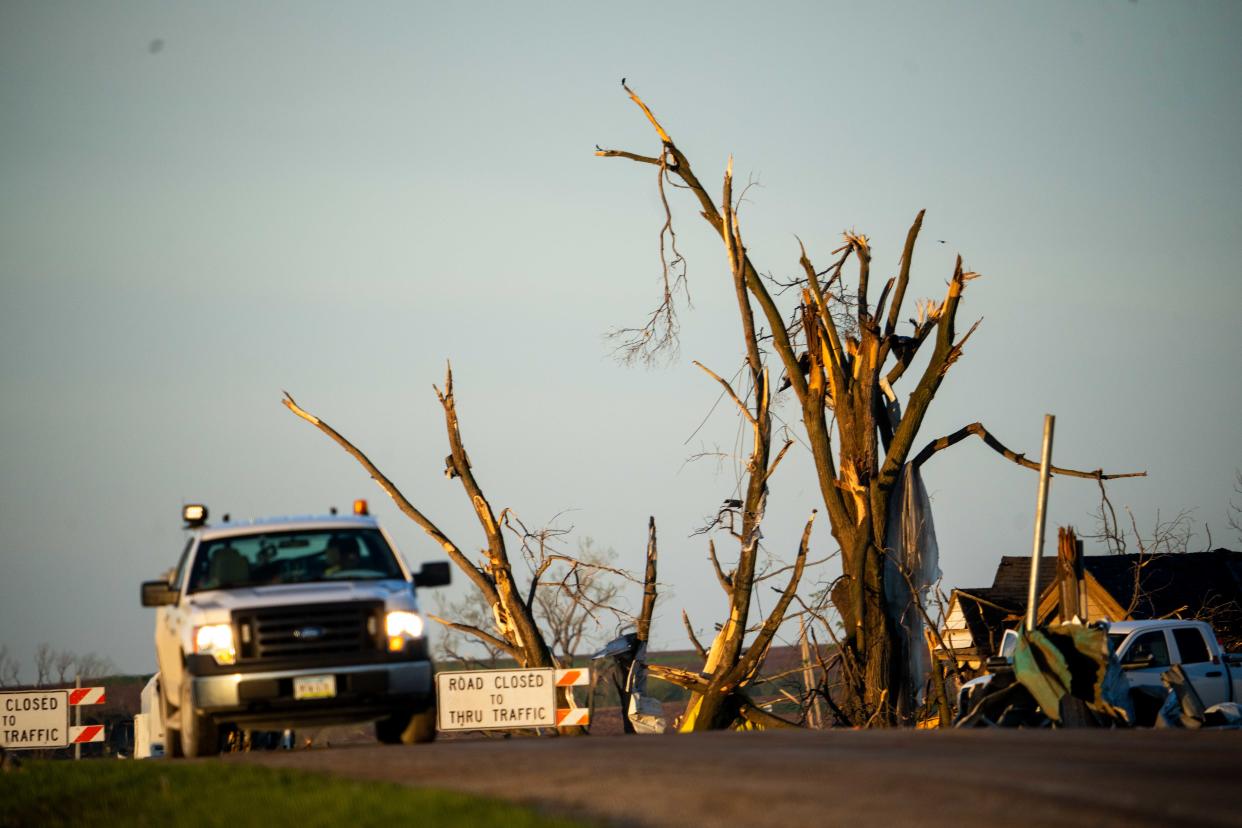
(1169, 584)
(989, 611)
(986, 617)
(1204, 585)
(1013, 576)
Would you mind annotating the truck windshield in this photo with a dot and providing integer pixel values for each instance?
(293, 558)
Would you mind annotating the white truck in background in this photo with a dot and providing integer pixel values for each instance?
(1145, 650)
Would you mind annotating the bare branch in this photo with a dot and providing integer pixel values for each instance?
(978, 430)
(487, 638)
(646, 111)
(749, 663)
(676, 675)
(779, 457)
(762, 718)
(480, 580)
(781, 570)
(649, 584)
(607, 153)
(903, 278)
(726, 582)
(728, 390)
(694, 640)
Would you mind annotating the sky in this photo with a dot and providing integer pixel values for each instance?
(202, 205)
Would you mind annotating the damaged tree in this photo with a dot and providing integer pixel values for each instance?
(717, 699)
(517, 632)
(842, 356)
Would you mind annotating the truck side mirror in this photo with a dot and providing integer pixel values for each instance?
(434, 574)
(158, 594)
(998, 664)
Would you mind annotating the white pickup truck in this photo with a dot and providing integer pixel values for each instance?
(1145, 650)
(282, 623)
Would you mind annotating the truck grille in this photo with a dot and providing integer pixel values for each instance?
(308, 630)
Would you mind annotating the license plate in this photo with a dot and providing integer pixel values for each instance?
(314, 687)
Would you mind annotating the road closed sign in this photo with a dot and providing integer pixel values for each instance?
(496, 699)
(34, 719)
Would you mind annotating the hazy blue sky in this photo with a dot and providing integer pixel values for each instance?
(203, 204)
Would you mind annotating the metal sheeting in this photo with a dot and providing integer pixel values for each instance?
(1071, 674)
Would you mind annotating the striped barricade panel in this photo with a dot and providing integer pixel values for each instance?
(87, 695)
(568, 716)
(573, 677)
(86, 733)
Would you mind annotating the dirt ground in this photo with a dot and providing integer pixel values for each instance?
(925, 778)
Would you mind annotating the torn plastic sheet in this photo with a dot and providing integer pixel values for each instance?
(1072, 675)
(913, 558)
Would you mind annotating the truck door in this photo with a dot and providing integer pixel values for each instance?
(1208, 679)
(1152, 643)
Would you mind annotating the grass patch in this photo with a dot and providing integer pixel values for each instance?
(162, 793)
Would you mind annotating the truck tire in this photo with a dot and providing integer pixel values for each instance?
(199, 734)
(405, 728)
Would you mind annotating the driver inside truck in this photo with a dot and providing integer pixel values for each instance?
(228, 568)
(341, 555)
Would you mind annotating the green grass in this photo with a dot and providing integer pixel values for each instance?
(124, 794)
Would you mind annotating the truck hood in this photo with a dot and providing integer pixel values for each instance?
(396, 594)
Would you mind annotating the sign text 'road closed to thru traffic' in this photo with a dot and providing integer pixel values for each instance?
(496, 699)
(34, 719)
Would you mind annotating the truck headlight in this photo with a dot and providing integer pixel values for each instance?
(402, 626)
(216, 640)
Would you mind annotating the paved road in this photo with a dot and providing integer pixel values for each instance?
(854, 778)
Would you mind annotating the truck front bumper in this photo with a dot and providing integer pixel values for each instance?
(381, 687)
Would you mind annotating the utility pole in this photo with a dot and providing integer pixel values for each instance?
(1041, 513)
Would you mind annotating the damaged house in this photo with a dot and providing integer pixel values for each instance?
(1202, 585)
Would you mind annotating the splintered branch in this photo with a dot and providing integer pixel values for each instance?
(726, 582)
(749, 663)
(759, 717)
(487, 638)
(646, 111)
(903, 278)
(676, 675)
(943, 317)
(649, 584)
(633, 156)
(728, 390)
(461, 466)
(979, 431)
(780, 455)
(694, 639)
